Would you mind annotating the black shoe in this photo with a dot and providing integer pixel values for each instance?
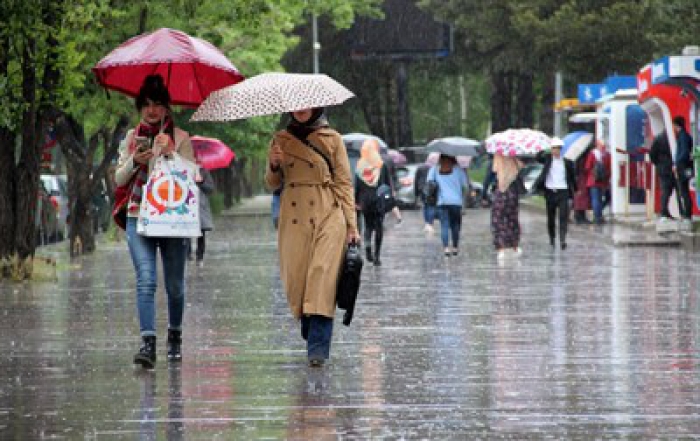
(174, 345)
(146, 356)
(551, 241)
(369, 254)
(563, 245)
(316, 362)
(377, 262)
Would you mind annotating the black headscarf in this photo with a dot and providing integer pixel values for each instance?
(303, 130)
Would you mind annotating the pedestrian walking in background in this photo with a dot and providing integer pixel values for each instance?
(451, 181)
(317, 219)
(505, 206)
(205, 183)
(597, 168)
(683, 169)
(418, 188)
(155, 133)
(582, 200)
(488, 182)
(557, 182)
(371, 173)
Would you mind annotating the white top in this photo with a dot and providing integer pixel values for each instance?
(556, 178)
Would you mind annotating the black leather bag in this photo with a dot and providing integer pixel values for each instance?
(430, 193)
(349, 281)
(385, 200)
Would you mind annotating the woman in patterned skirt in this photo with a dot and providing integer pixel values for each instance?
(504, 209)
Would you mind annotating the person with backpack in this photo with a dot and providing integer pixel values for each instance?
(373, 196)
(597, 168)
(451, 182)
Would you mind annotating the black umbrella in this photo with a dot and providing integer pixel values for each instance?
(456, 146)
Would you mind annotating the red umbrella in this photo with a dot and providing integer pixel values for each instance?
(191, 67)
(211, 152)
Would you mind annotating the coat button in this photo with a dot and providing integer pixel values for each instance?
(311, 166)
(291, 185)
(294, 204)
(311, 221)
(294, 221)
(291, 165)
(311, 203)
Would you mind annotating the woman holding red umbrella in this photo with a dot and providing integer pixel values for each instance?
(155, 135)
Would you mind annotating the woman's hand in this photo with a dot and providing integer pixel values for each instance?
(142, 158)
(276, 155)
(163, 144)
(353, 236)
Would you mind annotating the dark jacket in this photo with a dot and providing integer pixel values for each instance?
(660, 155)
(366, 196)
(540, 183)
(684, 152)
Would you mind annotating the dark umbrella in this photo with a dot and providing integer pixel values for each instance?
(456, 146)
(191, 67)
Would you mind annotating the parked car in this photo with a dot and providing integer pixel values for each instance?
(404, 185)
(530, 172)
(46, 217)
(57, 188)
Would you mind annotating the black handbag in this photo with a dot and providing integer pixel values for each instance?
(349, 281)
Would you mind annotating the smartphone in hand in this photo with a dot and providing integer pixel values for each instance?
(142, 144)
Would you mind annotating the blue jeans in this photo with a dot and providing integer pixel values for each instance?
(450, 221)
(428, 213)
(317, 330)
(597, 202)
(173, 253)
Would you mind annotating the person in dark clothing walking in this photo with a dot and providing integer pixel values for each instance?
(660, 155)
(371, 173)
(683, 166)
(558, 183)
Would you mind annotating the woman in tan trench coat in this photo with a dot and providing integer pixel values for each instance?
(317, 219)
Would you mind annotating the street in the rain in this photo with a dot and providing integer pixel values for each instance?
(593, 342)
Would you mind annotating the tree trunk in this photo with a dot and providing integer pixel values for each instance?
(525, 99)
(365, 77)
(501, 101)
(27, 172)
(7, 201)
(546, 100)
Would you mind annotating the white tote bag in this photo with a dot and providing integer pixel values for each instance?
(170, 200)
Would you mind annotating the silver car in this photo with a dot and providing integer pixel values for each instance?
(405, 185)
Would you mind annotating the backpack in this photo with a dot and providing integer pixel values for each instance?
(385, 199)
(599, 172)
(430, 193)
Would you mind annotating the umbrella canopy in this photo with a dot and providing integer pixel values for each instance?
(455, 146)
(517, 142)
(191, 67)
(272, 93)
(575, 143)
(433, 157)
(397, 157)
(354, 141)
(211, 153)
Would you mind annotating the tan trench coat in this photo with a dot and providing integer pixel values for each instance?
(316, 212)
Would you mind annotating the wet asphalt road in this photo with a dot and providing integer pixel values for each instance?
(594, 342)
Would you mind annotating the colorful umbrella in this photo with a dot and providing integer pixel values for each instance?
(517, 142)
(211, 152)
(455, 146)
(397, 157)
(575, 143)
(433, 157)
(272, 93)
(191, 67)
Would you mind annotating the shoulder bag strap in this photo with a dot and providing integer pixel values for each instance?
(320, 153)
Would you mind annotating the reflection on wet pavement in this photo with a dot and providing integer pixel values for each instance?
(593, 342)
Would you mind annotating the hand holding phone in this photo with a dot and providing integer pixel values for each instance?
(142, 144)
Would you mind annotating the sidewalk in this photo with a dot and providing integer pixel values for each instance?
(629, 231)
(260, 205)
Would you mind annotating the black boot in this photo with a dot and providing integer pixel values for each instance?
(174, 345)
(369, 254)
(146, 356)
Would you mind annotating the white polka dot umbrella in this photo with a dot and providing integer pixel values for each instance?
(517, 142)
(272, 93)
